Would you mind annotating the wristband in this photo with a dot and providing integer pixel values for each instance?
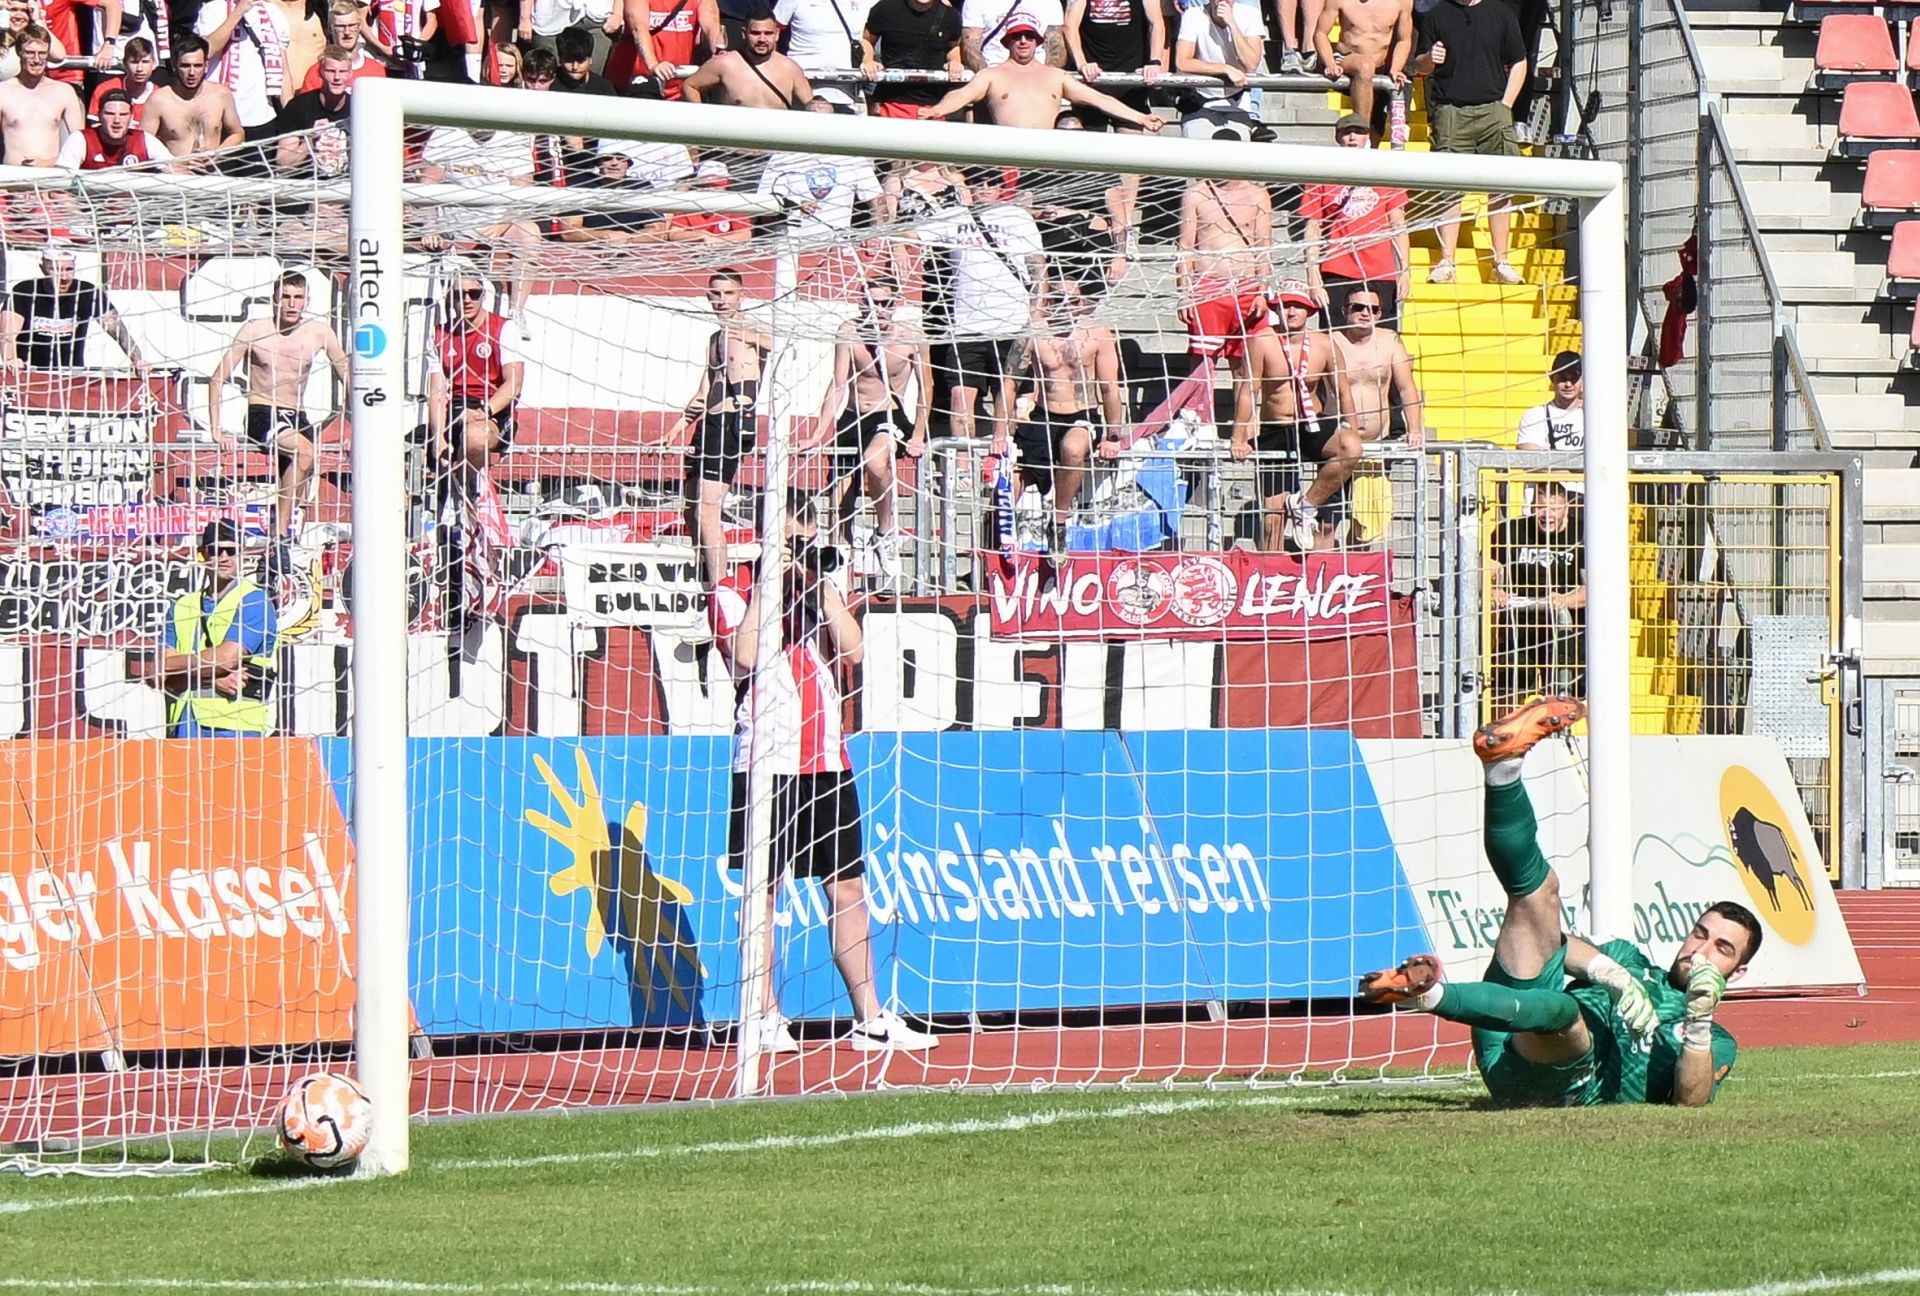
(1697, 1035)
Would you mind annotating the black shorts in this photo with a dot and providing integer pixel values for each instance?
(1095, 120)
(983, 363)
(1293, 444)
(719, 443)
(856, 431)
(1038, 441)
(816, 826)
(503, 420)
(268, 423)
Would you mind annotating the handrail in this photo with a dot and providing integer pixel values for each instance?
(1797, 367)
(1745, 205)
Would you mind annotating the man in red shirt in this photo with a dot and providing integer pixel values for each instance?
(480, 361)
(140, 63)
(346, 27)
(114, 142)
(663, 38)
(1356, 236)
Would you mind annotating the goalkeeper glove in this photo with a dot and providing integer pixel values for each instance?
(1630, 998)
(1705, 984)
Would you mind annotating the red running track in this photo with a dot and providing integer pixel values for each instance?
(1885, 928)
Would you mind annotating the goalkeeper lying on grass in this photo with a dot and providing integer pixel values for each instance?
(1623, 1031)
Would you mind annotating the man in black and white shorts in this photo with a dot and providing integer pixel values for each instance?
(789, 719)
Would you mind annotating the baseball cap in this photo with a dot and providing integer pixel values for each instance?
(1351, 122)
(1564, 362)
(712, 171)
(1020, 22)
(1294, 291)
(221, 531)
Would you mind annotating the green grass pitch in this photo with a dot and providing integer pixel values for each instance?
(1802, 1178)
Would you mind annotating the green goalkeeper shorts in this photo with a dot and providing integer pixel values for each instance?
(1512, 1080)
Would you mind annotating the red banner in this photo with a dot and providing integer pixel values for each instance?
(1233, 595)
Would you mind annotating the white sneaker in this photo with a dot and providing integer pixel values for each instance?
(1506, 274)
(1442, 272)
(885, 1032)
(1303, 526)
(775, 1035)
(886, 558)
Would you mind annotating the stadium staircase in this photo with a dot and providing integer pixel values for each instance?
(1832, 253)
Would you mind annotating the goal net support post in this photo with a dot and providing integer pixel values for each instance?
(377, 324)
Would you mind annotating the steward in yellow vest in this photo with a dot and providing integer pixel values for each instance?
(218, 665)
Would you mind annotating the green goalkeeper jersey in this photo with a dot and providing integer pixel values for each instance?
(1632, 1070)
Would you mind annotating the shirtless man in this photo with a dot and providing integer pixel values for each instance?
(723, 414)
(1226, 237)
(1076, 366)
(876, 359)
(278, 352)
(37, 113)
(758, 76)
(1287, 379)
(1386, 401)
(194, 116)
(1375, 36)
(1023, 91)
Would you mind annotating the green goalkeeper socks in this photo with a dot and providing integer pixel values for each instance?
(1504, 1008)
(1512, 840)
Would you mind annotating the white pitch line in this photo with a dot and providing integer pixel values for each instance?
(290, 1286)
(27, 1206)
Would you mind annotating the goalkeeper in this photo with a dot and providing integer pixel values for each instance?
(1624, 1031)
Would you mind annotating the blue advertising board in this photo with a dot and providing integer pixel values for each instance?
(581, 884)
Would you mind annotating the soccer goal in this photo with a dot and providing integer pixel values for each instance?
(1134, 784)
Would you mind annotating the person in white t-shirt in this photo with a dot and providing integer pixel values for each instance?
(484, 159)
(1225, 39)
(999, 264)
(819, 190)
(788, 720)
(822, 35)
(542, 20)
(1561, 423)
(247, 43)
(982, 22)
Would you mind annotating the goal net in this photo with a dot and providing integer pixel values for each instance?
(1035, 734)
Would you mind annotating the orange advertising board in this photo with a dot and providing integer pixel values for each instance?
(172, 894)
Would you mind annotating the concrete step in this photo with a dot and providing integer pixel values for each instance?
(1745, 61)
(1890, 571)
(1776, 136)
(1828, 271)
(1891, 495)
(1800, 205)
(1891, 646)
(1871, 414)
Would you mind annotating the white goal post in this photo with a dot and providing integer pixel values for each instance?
(376, 321)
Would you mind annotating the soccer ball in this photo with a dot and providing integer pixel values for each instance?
(325, 1121)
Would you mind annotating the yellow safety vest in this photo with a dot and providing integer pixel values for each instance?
(251, 712)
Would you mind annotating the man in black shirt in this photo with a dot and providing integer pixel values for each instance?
(1538, 592)
(1475, 64)
(921, 35)
(313, 126)
(1117, 36)
(45, 323)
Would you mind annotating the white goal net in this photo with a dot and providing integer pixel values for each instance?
(1083, 501)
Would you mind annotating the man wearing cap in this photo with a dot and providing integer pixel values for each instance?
(1356, 236)
(44, 324)
(1375, 36)
(984, 23)
(219, 657)
(1288, 378)
(1023, 91)
(627, 166)
(1561, 423)
(754, 76)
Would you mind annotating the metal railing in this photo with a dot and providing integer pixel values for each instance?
(1636, 75)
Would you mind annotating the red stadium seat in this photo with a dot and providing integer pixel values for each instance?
(1913, 49)
(1903, 260)
(1876, 115)
(1854, 47)
(1891, 193)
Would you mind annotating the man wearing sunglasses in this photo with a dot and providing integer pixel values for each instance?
(479, 361)
(1024, 91)
(1386, 401)
(218, 663)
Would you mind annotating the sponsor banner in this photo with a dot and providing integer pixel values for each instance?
(163, 895)
(1234, 595)
(932, 664)
(656, 585)
(1715, 818)
(167, 522)
(74, 459)
(1128, 868)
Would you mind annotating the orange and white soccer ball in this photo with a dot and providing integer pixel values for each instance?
(325, 1121)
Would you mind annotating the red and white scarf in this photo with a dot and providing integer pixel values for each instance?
(257, 29)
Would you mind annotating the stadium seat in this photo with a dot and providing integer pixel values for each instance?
(1876, 115)
(1891, 192)
(1903, 261)
(1854, 47)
